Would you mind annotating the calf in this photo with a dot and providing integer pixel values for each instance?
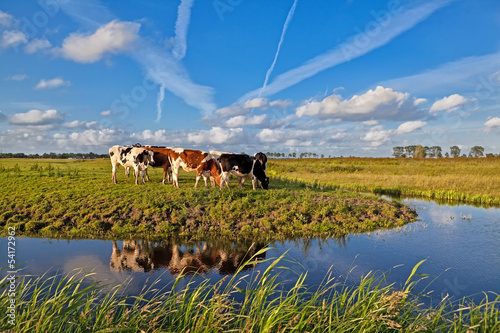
(244, 166)
(194, 160)
(137, 158)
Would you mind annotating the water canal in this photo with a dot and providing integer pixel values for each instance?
(461, 245)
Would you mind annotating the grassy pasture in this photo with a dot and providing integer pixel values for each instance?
(470, 180)
(76, 198)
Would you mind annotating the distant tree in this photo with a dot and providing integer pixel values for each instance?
(447, 155)
(410, 150)
(398, 152)
(476, 151)
(294, 154)
(420, 152)
(434, 152)
(455, 151)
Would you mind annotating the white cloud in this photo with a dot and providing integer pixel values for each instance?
(80, 123)
(419, 101)
(351, 49)
(257, 102)
(36, 45)
(449, 103)
(7, 20)
(378, 103)
(114, 37)
(13, 38)
(240, 121)
(268, 135)
(377, 136)
(36, 118)
(240, 114)
(410, 126)
(51, 84)
(471, 73)
(106, 113)
(216, 135)
(492, 123)
(17, 77)
(96, 137)
(161, 66)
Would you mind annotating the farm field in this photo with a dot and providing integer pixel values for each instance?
(77, 199)
(469, 180)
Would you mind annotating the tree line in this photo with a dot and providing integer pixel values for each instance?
(419, 151)
(54, 155)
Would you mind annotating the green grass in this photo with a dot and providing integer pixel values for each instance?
(470, 180)
(77, 199)
(254, 302)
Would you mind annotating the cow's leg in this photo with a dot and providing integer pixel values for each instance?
(175, 176)
(164, 175)
(127, 171)
(136, 172)
(145, 175)
(113, 172)
(254, 180)
(241, 181)
(224, 179)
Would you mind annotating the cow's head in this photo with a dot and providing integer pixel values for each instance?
(265, 183)
(151, 155)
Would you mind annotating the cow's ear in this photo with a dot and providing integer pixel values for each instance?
(156, 153)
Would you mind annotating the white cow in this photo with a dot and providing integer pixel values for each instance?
(128, 156)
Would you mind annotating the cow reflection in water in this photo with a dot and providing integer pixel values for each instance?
(140, 256)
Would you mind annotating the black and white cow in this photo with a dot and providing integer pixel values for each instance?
(242, 166)
(262, 158)
(137, 158)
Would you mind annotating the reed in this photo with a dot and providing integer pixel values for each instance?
(253, 302)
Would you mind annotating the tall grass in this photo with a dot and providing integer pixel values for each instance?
(254, 302)
(470, 180)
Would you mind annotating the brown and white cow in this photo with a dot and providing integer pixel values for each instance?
(194, 160)
(161, 161)
(128, 156)
(242, 166)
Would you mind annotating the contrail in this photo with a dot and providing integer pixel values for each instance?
(350, 49)
(159, 102)
(181, 28)
(285, 27)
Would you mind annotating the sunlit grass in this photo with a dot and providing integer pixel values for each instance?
(472, 180)
(77, 199)
(246, 302)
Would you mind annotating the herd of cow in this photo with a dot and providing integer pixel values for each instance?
(213, 165)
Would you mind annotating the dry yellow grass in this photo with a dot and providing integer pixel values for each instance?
(475, 180)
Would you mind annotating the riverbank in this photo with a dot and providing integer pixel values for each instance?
(76, 199)
(254, 302)
(468, 180)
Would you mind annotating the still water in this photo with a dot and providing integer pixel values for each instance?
(461, 245)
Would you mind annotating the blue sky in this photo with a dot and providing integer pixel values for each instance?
(348, 77)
